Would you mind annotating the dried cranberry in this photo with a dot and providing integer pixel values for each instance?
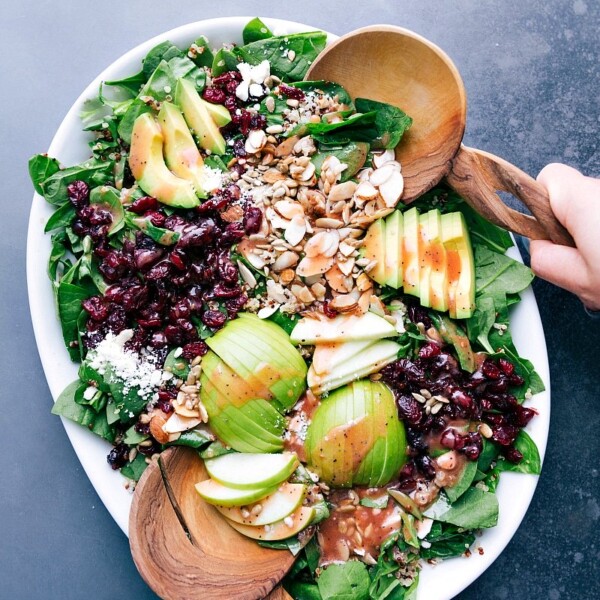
(194, 349)
(96, 307)
(239, 149)
(180, 310)
(505, 435)
(291, 92)
(159, 271)
(506, 366)
(222, 79)
(429, 350)
(234, 305)
(78, 193)
(232, 233)
(231, 104)
(144, 204)
(142, 428)
(448, 439)
(118, 456)
(516, 380)
(490, 370)
(425, 464)
(252, 219)
(214, 319)
(176, 258)
(523, 415)
(214, 95)
(158, 339)
(513, 455)
(408, 409)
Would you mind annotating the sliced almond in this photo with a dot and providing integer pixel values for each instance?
(364, 283)
(295, 231)
(380, 158)
(156, 428)
(177, 423)
(246, 249)
(288, 209)
(328, 223)
(381, 175)
(317, 265)
(273, 175)
(346, 249)
(246, 274)
(376, 305)
(337, 280)
(184, 411)
(324, 243)
(284, 261)
(267, 311)
(303, 294)
(366, 190)
(343, 303)
(275, 219)
(286, 147)
(392, 189)
(346, 266)
(255, 141)
(364, 301)
(342, 191)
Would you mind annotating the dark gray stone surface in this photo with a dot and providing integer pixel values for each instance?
(532, 77)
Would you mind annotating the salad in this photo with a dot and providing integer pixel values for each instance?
(235, 272)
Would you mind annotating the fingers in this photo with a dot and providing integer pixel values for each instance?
(575, 200)
(559, 265)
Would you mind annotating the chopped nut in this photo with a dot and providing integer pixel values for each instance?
(343, 303)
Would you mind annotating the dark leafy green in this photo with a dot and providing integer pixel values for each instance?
(255, 30)
(109, 199)
(93, 172)
(353, 155)
(305, 46)
(286, 321)
(41, 167)
(61, 217)
(201, 53)
(446, 541)
(497, 273)
(464, 482)
(194, 438)
(135, 469)
(531, 463)
(66, 406)
(475, 509)
(390, 122)
(329, 88)
(224, 60)
(347, 581)
(70, 297)
(488, 455)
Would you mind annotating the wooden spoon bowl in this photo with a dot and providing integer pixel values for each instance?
(184, 548)
(397, 66)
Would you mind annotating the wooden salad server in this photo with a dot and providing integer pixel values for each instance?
(397, 66)
(184, 549)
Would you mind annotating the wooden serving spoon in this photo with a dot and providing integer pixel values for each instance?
(184, 549)
(397, 66)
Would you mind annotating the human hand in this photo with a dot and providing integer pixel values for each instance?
(575, 200)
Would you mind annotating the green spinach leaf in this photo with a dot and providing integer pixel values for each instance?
(135, 468)
(353, 155)
(347, 581)
(93, 172)
(391, 122)
(61, 217)
(446, 541)
(201, 53)
(70, 297)
(464, 482)
(41, 166)
(531, 463)
(224, 60)
(304, 46)
(255, 30)
(497, 273)
(475, 509)
(194, 438)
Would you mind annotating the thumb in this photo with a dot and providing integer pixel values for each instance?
(559, 265)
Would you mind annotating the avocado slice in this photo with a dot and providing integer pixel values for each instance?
(198, 117)
(460, 266)
(394, 231)
(410, 252)
(452, 334)
(181, 153)
(148, 166)
(432, 277)
(220, 115)
(373, 248)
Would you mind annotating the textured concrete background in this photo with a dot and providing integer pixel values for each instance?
(532, 77)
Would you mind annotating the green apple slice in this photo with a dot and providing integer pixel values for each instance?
(215, 493)
(394, 231)
(373, 359)
(275, 507)
(251, 471)
(300, 519)
(343, 328)
(327, 357)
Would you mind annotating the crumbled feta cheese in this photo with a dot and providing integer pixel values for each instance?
(253, 78)
(89, 393)
(212, 179)
(128, 366)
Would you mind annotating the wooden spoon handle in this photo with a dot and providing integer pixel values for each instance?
(478, 175)
(278, 593)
